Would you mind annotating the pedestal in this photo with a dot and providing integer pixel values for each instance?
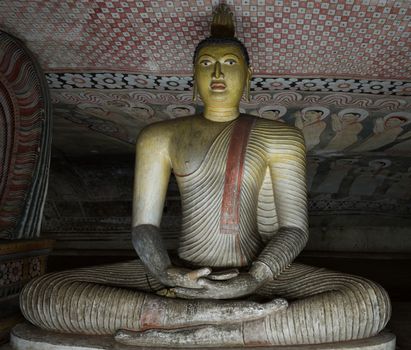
(27, 337)
(20, 261)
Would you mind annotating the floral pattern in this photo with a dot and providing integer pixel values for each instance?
(311, 85)
(140, 81)
(174, 83)
(77, 80)
(376, 87)
(11, 272)
(15, 271)
(272, 83)
(14, 274)
(109, 81)
(342, 85)
(54, 81)
(34, 267)
(404, 89)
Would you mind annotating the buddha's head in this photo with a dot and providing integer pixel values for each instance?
(395, 121)
(221, 64)
(352, 115)
(221, 72)
(314, 114)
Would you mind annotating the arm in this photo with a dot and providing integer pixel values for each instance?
(152, 173)
(287, 168)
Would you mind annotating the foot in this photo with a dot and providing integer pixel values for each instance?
(202, 312)
(202, 336)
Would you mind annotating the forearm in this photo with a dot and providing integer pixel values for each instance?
(282, 249)
(150, 248)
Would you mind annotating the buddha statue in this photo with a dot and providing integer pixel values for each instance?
(234, 282)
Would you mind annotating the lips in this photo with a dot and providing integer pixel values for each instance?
(217, 86)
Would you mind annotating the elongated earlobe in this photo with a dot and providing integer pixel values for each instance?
(247, 90)
(194, 91)
(248, 84)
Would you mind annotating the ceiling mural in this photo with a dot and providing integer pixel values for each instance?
(338, 70)
(354, 38)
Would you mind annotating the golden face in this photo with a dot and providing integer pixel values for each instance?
(221, 73)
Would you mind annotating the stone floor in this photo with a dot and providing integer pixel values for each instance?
(400, 325)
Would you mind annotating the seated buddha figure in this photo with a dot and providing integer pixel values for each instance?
(244, 221)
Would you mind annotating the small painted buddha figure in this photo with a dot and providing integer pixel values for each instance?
(243, 192)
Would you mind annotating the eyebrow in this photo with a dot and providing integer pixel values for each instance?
(224, 56)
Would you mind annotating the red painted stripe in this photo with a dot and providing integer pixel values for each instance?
(230, 206)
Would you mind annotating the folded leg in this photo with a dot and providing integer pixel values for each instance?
(104, 299)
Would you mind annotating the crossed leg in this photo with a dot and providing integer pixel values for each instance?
(104, 299)
(325, 306)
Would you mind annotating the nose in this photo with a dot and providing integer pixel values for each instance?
(217, 71)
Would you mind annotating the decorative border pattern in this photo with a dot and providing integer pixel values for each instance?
(25, 125)
(174, 83)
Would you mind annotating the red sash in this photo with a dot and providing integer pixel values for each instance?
(230, 206)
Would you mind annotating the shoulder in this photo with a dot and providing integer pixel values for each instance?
(161, 132)
(279, 135)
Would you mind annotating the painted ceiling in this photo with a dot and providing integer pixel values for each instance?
(338, 70)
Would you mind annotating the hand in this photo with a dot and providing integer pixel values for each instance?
(241, 285)
(186, 278)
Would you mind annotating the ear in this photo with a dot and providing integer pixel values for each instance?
(248, 83)
(194, 98)
(249, 73)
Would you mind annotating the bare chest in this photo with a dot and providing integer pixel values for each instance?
(190, 146)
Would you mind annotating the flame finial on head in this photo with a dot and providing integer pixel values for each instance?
(222, 25)
(222, 32)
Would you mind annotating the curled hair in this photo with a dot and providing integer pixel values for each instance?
(212, 40)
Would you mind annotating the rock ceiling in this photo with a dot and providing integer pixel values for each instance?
(338, 70)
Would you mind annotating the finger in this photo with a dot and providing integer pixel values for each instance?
(277, 304)
(196, 274)
(187, 293)
(166, 292)
(205, 283)
(224, 275)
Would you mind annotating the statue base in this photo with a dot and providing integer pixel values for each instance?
(25, 336)
(20, 262)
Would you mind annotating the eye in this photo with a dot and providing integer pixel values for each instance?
(205, 63)
(230, 61)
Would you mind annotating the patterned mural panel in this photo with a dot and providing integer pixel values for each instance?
(331, 123)
(24, 140)
(352, 38)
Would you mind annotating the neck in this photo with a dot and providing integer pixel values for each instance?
(221, 114)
